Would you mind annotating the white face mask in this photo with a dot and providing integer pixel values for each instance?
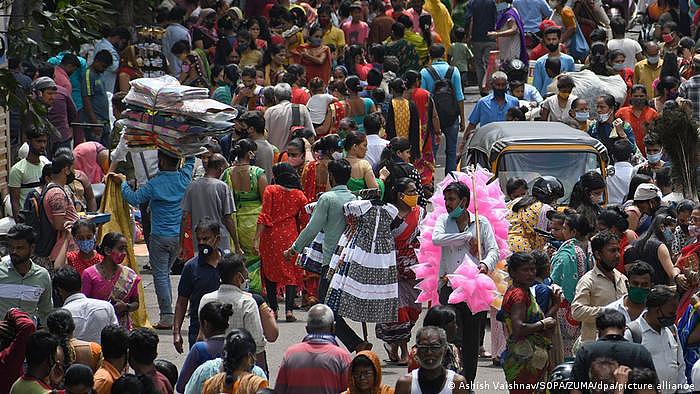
(654, 158)
(337, 155)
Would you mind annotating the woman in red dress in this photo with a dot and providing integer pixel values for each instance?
(86, 256)
(283, 204)
(429, 127)
(314, 56)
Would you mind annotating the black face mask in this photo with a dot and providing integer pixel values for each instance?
(205, 250)
(552, 47)
(638, 102)
(500, 93)
(70, 178)
(608, 268)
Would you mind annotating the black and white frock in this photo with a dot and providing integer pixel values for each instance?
(364, 285)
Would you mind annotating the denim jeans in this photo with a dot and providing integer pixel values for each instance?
(451, 135)
(162, 252)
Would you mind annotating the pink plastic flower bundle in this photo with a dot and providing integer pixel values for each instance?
(477, 290)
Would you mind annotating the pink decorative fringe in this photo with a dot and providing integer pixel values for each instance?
(478, 290)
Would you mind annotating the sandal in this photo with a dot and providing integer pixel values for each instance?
(393, 356)
(162, 326)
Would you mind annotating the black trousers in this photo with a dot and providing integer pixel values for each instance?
(470, 326)
(342, 330)
(289, 293)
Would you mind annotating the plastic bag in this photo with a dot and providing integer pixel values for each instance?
(588, 86)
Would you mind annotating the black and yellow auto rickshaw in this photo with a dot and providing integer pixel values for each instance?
(528, 150)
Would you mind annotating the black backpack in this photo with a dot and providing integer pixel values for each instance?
(446, 103)
(33, 215)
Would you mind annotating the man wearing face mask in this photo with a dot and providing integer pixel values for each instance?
(200, 276)
(492, 108)
(690, 89)
(164, 192)
(599, 286)
(647, 199)
(455, 233)
(551, 40)
(234, 290)
(647, 70)
(654, 151)
(639, 281)
(60, 212)
(655, 330)
(210, 197)
(669, 36)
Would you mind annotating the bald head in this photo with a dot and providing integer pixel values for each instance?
(320, 319)
(217, 161)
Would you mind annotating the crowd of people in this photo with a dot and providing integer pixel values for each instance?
(320, 194)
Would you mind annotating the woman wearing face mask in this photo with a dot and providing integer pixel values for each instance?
(580, 113)
(509, 32)
(295, 155)
(685, 52)
(556, 108)
(573, 259)
(654, 247)
(405, 230)
(607, 128)
(315, 56)
(638, 114)
(239, 360)
(616, 60)
(588, 195)
(86, 256)
(282, 208)
(247, 182)
(112, 281)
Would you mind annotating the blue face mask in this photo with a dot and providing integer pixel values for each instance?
(500, 7)
(86, 246)
(582, 116)
(457, 212)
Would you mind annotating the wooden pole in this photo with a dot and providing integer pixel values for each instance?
(364, 331)
(472, 172)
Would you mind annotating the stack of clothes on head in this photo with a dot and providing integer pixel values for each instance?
(181, 120)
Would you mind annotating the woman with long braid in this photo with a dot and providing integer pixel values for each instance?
(239, 359)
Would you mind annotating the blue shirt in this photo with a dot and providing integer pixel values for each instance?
(541, 80)
(93, 89)
(487, 110)
(441, 66)
(165, 192)
(76, 79)
(531, 94)
(532, 12)
(197, 279)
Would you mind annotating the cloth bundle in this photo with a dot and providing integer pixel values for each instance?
(162, 114)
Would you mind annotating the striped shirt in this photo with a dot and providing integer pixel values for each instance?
(30, 293)
(315, 366)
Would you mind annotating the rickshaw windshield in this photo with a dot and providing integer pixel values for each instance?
(565, 166)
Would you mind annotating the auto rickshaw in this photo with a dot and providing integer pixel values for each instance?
(528, 150)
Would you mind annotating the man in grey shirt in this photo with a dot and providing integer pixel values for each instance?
(455, 233)
(280, 118)
(211, 197)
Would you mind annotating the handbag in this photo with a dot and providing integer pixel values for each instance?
(578, 47)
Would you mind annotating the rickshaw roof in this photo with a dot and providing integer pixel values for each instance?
(494, 137)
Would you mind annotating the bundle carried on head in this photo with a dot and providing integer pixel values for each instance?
(678, 134)
(180, 119)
